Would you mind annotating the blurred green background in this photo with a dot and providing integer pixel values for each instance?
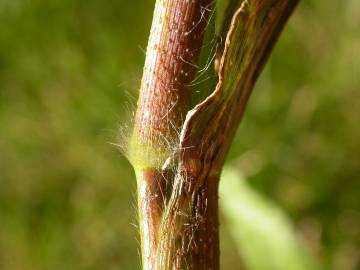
(69, 74)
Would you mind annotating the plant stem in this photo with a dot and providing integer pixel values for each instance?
(191, 214)
(171, 62)
(190, 232)
(178, 194)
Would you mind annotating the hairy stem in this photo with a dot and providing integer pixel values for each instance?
(190, 232)
(178, 193)
(208, 132)
(171, 62)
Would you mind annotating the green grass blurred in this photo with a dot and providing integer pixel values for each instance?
(69, 74)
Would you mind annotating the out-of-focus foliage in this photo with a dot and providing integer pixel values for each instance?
(69, 70)
(263, 235)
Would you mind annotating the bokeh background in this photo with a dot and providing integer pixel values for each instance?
(69, 74)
